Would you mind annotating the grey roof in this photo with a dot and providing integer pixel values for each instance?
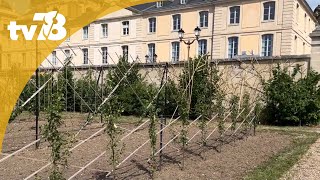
(169, 4)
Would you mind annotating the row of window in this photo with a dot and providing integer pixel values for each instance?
(266, 44)
(233, 49)
(306, 26)
(175, 49)
(176, 25)
(268, 12)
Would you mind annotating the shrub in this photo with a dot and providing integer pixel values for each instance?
(170, 94)
(133, 93)
(87, 88)
(290, 101)
(67, 83)
(204, 89)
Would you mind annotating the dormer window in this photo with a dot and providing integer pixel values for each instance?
(183, 1)
(159, 4)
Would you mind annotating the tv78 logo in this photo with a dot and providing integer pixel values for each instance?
(52, 29)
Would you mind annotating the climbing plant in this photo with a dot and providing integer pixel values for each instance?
(245, 106)
(153, 138)
(111, 113)
(57, 140)
(234, 105)
(207, 93)
(184, 116)
(220, 109)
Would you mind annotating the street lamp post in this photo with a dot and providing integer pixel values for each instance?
(197, 31)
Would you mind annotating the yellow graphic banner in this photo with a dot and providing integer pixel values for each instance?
(30, 39)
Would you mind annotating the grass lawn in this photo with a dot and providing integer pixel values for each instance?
(279, 164)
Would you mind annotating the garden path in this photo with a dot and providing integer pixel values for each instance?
(308, 167)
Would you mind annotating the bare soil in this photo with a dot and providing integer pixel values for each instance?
(230, 157)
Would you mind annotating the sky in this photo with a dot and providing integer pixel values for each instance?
(313, 3)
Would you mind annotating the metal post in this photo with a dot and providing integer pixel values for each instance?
(37, 98)
(66, 88)
(74, 91)
(102, 90)
(254, 123)
(163, 120)
(37, 107)
(161, 137)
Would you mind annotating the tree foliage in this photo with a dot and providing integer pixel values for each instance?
(291, 100)
(133, 91)
(67, 83)
(87, 94)
(203, 85)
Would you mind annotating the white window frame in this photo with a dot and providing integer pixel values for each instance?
(85, 33)
(159, 4)
(125, 28)
(205, 24)
(67, 54)
(104, 55)
(85, 56)
(175, 53)
(201, 42)
(54, 57)
(268, 46)
(104, 30)
(233, 53)
(152, 28)
(183, 1)
(177, 22)
(269, 18)
(125, 54)
(235, 15)
(151, 52)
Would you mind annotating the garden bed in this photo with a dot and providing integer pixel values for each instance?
(237, 157)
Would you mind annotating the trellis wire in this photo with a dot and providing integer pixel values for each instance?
(145, 121)
(74, 175)
(18, 151)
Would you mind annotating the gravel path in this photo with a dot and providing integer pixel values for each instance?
(308, 167)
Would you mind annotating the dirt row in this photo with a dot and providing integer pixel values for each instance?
(232, 159)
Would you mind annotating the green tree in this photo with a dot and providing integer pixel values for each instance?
(133, 93)
(88, 92)
(204, 85)
(67, 83)
(291, 100)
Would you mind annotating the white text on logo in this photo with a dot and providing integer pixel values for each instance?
(52, 29)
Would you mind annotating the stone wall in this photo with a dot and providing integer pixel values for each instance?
(239, 76)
